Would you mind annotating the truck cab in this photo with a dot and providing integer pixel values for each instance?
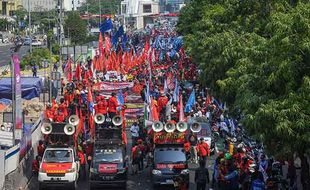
(109, 166)
(59, 167)
(169, 162)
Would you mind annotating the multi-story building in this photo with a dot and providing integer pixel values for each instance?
(7, 7)
(46, 5)
(139, 13)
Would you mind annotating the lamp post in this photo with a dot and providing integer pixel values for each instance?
(29, 17)
(99, 12)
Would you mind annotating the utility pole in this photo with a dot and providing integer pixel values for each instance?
(99, 13)
(29, 16)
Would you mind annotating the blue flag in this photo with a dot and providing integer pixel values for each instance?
(120, 100)
(106, 25)
(119, 33)
(191, 101)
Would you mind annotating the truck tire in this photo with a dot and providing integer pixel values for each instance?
(74, 186)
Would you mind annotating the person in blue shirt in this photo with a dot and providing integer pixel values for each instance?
(257, 182)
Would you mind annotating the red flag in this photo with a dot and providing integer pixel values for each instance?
(91, 125)
(80, 126)
(107, 41)
(68, 70)
(124, 137)
(100, 44)
(78, 72)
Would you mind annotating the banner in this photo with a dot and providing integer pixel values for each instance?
(17, 98)
(112, 86)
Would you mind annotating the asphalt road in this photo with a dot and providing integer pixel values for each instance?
(140, 181)
(5, 53)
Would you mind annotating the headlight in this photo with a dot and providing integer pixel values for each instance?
(123, 170)
(93, 170)
(186, 171)
(156, 172)
(41, 170)
(72, 170)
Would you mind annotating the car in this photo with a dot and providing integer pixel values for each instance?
(36, 43)
(59, 167)
(109, 166)
(27, 41)
(169, 162)
(205, 132)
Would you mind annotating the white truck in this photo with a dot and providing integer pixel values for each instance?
(59, 167)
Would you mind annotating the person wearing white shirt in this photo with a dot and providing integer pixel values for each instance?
(134, 129)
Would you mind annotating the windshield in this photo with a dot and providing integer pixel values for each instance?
(108, 156)
(59, 156)
(205, 130)
(169, 156)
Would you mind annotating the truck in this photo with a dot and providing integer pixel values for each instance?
(169, 157)
(60, 164)
(109, 164)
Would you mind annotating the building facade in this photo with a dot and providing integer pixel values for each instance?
(171, 6)
(138, 13)
(7, 7)
(47, 5)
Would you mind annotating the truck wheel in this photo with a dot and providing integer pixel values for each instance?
(74, 186)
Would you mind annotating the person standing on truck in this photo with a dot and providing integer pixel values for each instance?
(112, 105)
(202, 176)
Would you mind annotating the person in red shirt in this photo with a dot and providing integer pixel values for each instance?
(187, 147)
(36, 165)
(63, 107)
(203, 149)
(101, 107)
(135, 159)
(162, 102)
(59, 116)
(49, 113)
(113, 104)
(41, 148)
(82, 163)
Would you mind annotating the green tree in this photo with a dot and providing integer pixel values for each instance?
(255, 56)
(75, 28)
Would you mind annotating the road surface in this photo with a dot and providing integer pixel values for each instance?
(5, 53)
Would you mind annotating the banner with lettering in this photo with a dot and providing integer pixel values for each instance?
(112, 86)
(17, 98)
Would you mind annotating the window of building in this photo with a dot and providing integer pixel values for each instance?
(147, 8)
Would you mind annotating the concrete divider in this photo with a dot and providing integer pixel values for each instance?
(18, 173)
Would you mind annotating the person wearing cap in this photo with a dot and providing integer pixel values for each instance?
(203, 149)
(112, 105)
(49, 113)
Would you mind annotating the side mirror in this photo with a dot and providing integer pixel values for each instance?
(77, 159)
(127, 158)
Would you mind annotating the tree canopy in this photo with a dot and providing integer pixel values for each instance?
(75, 28)
(255, 56)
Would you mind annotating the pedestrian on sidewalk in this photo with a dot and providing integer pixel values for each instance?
(34, 70)
(55, 67)
(202, 176)
(82, 163)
